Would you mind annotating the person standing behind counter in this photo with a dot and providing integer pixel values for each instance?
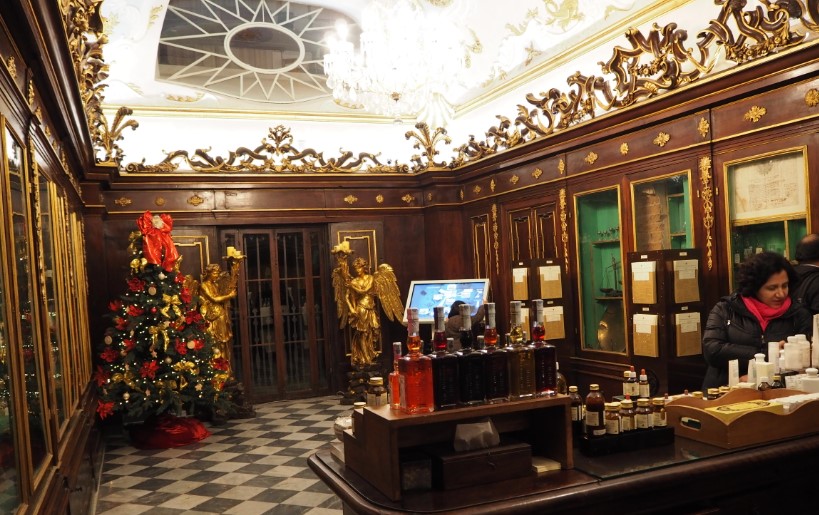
(760, 311)
(453, 322)
(807, 255)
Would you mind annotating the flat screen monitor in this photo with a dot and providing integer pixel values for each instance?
(425, 295)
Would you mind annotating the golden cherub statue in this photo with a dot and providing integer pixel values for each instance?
(357, 299)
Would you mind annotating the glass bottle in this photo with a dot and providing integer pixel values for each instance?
(712, 394)
(658, 414)
(470, 364)
(376, 393)
(612, 418)
(777, 382)
(496, 362)
(444, 368)
(764, 384)
(627, 422)
(415, 371)
(521, 358)
(394, 377)
(545, 355)
(633, 384)
(577, 411)
(595, 405)
(642, 415)
(562, 387)
(439, 329)
(626, 384)
(643, 388)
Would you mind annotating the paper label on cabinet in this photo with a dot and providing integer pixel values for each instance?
(549, 273)
(520, 274)
(688, 322)
(553, 314)
(686, 264)
(644, 323)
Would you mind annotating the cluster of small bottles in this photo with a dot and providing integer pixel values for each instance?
(602, 418)
(481, 372)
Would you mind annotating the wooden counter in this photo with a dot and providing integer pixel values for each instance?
(687, 477)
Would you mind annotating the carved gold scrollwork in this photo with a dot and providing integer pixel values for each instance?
(409, 199)
(536, 173)
(754, 114)
(561, 167)
(492, 185)
(706, 194)
(351, 199)
(107, 136)
(703, 127)
(429, 141)
(31, 94)
(429, 197)
(564, 226)
(624, 149)
(195, 200)
(514, 179)
(812, 97)
(661, 139)
(590, 158)
(123, 201)
(11, 66)
(477, 189)
(461, 194)
(379, 199)
(495, 235)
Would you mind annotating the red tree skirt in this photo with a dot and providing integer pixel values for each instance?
(168, 431)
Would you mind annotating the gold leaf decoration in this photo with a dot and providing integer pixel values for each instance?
(428, 140)
(123, 201)
(496, 236)
(661, 139)
(536, 173)
(812, 97)
(755, 113)
(379, 199)
(159, 201)
(11, 66)
(564, 226)
(707, 196)
(461, 194)
(514, 179)
(703, 127)
(409, 199)
(31, 94)
(477, 189)
(39, 113)
(184, 98)
(624, 149)
(591, 158)
(195, 200)
(561, 167)
(351, 199)
(429, 197)
(492, 185)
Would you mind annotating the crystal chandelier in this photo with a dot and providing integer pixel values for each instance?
(411, 62)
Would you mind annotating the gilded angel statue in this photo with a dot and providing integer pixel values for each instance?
(357, 300)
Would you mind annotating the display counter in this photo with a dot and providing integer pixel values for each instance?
(686, 477)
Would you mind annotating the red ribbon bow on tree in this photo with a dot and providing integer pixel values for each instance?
(157, 245)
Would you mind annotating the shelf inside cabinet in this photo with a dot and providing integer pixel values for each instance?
(605, 242)
(606, 299)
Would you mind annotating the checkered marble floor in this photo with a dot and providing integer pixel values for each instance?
(246, 467)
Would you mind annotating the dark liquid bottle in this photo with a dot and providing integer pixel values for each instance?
(496, 363)
(545, 355)
(577, 411)
(444, 367)
(595, 406)
(521, 358)
(470, 364)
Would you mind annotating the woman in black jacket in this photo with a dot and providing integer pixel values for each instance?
(760, 311)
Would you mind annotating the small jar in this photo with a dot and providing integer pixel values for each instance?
(627, 413)
(376, 393)
(658, 415)
(697, 394)
(612, 418)
(357, 406)
(595, 405)
(642, 415)
(723, 390)
(712, 394)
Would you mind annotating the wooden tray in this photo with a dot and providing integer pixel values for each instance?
(689, 419)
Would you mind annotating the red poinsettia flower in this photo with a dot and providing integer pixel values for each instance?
(198, 344)
(120, 323)
(109, 355)
(135, 284)
(105, 409)
(179, 279)
(192, 317)
(128, 344)
(149, 369)
(185, 295)
(181, 349)
(115, 305)
(135, 311)
(101, 376)
(221, 364)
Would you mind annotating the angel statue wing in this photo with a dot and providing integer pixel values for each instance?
(385, 286)
(192, 285)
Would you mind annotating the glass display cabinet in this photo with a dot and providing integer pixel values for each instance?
(662, 215)
(600, 270)
(767, 206)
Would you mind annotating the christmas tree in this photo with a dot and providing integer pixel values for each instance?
(157, 357)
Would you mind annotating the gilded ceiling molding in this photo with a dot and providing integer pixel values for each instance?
(564, 227)
(423, 138)
(108, 136)
(274, 155)
(707, 197)
(812, 97)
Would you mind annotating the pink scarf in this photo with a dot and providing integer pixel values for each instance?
(763, 312)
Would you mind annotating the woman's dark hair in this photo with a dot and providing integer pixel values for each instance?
(455, 310)
(756, 270)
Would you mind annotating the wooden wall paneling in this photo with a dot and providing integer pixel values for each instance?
(449, 248)
(521, 235)
(198, 246)
(547, 236)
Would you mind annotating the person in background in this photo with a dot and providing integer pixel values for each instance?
(760, 311)
(453, 322)
(807, 255)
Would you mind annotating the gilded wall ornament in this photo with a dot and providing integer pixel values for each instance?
(11, 66)
(707, 196)
(496, 237)
(39, 113)
(477, 189)
(561, 167)
(429, 197)
(812, 97)
(754, 114)
(351, 199)
(514, 179)
(536, 173)
(409, 199)
(461, 194)
(195, 200)
(492, 185)
(564, 226)
(31, 93)
(590, 158)
(123, 201)
(624, 149)
(661, 139)
(703, 127)
(428, 140)
(159, 201)
(379, 199)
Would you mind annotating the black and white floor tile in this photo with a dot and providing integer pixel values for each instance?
(246, 467)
